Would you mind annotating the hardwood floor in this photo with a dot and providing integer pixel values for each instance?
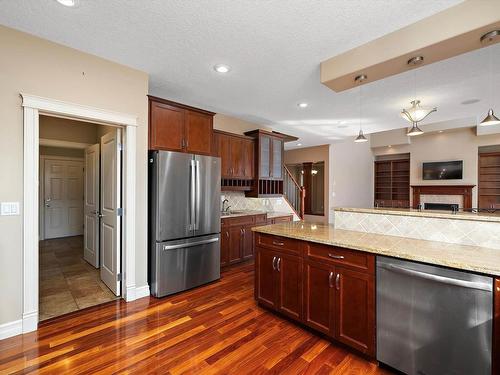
(214, 329)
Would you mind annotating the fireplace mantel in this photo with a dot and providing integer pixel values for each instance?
(463, 190)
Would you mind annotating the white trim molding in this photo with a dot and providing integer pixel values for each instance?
(33, 107)
(77, 111)
(11, 329)
(63, 144)
(142, 291)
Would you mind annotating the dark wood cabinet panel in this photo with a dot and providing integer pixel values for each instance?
(198, 133)
(289, 270)
(319, 297)
(223, 150)
(224, 246)
(355, 309)
(237, 155)
(248, 150)
(178, 127)
(247, 242)
(235, 244)
(166, 127)
(265, 282)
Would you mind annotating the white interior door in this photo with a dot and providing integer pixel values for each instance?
(91, 205)
(110, 233)
(63, 198)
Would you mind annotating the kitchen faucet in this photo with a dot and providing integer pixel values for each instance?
(223, 203)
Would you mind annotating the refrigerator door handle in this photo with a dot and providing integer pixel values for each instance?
(197, 195)
(190, 244)
(192, 186)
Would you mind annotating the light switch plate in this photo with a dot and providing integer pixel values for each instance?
(9, 208)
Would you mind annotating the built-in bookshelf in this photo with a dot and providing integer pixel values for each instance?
(392, 183)
(489, 181)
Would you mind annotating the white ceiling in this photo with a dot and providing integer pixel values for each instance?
(274, 48)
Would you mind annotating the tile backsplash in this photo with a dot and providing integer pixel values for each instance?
(238, 201)
(464, 232)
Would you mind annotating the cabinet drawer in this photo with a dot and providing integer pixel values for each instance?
(238, 220)
(261, 219)
(279, 243)
(339, 255)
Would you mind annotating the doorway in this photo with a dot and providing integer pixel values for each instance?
(79, 215)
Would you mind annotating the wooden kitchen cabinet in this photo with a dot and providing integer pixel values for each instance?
(355, 309)
(335, 295)
(319, 297)
(236, 153)
(177, 127)
(279, 282)
(224, 245)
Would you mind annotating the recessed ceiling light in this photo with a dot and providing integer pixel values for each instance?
(69, 3)
(440, 131)
(299, 144)
(221, 68)
(302, 105)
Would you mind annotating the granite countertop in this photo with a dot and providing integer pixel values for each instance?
(479, 216)
(270, 215)
(463, 257)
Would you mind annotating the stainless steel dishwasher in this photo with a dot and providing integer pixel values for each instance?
(433, 320)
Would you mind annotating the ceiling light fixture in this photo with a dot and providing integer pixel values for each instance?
(68, 3)
(302, 105)
(414, 130)
(361, 137)
(222, 68)
(299, 144)
(416, 112)
(490, 118)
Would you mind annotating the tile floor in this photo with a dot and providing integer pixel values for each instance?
(67, 282)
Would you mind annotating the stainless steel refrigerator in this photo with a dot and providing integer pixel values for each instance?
(184, 227)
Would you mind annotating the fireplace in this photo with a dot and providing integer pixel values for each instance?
(441, 206)
(442, 196)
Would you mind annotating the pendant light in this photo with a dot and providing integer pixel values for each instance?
(414, 130)
(490, 118)
(361, 137)
(416, 112)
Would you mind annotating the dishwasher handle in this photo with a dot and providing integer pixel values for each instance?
(440, 279)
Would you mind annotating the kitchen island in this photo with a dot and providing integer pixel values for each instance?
(326, 278)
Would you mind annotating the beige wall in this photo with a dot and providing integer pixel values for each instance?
(351, 175)
(38, 67)
(235, 125)
(312, 154)
(67, 130)
(459, 144)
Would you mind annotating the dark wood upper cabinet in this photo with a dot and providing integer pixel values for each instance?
(178, 127)
(199, 133)
(355, 309)
(166, 127)
(236, 152)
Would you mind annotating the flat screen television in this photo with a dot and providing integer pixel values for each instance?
(443, 170)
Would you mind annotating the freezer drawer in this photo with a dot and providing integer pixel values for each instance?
(185, 264)
(432, 320)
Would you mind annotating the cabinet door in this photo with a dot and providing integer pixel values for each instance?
(289, 269)
(224, 246)
(248, 165)
(223, 143)
(237, 157)
(264, 157)
(248, 242)
(319, 297)
(235, 242)
(277, 158)
(166, 128)
(265, 280)
(198, 133)
(355, 309)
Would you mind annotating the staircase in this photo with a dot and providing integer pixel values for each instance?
(293, 193)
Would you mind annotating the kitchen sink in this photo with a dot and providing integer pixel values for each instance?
(227, 213)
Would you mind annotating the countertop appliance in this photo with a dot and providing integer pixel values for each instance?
(184, 227)
(433, 320)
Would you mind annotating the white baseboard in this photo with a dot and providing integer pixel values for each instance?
(30, 321)
(142, 291)
(134, 293)
(11, 329)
